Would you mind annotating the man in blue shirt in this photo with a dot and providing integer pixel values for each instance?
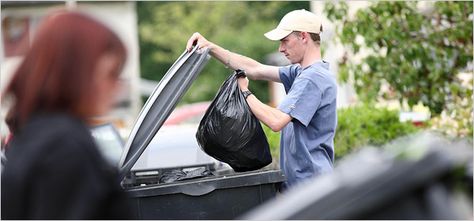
(307, 115)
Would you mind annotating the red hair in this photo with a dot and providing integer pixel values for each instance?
(56, 72)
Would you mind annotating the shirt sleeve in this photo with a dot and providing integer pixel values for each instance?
(302, 100)
(288, 75)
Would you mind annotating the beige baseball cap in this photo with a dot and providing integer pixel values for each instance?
(297, 20)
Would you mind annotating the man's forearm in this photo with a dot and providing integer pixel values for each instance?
(235, 61)
(252, 68)
(272, 117)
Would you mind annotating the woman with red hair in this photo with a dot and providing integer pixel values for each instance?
(54, 169)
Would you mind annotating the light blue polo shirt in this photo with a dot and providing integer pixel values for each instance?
(307, 142)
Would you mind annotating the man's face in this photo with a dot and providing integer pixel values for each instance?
(292, 47)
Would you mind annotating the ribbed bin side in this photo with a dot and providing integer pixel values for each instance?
(225, 197)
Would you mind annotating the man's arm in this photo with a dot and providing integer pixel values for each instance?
(253, 69)
(272, 117)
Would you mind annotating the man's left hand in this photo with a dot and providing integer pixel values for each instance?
(243, 83)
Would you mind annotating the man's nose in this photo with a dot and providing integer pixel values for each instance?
(281, 48)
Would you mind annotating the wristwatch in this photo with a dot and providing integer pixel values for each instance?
(246, 94)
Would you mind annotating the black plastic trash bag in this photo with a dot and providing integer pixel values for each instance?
(179, 174)
(231, 133)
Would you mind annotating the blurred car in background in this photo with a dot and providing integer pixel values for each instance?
(188, 114)
(173, 146)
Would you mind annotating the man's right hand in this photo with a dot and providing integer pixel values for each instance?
(197, 39)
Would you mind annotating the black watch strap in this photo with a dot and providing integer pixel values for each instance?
(246, 94)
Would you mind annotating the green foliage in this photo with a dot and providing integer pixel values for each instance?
(456, 118)
(164, 28)
(366, 125)
(357, 127)
(273, 139)
(419, 55)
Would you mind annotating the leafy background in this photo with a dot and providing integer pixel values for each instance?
(393, 51)
(165, 27)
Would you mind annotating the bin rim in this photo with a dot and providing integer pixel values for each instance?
(196, 187)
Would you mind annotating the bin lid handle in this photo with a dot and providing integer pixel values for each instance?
(197, 190)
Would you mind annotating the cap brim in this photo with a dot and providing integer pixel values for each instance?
(277, 34)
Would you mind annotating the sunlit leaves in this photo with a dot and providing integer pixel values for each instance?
(418, 54)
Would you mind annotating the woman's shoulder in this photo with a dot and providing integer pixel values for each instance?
(47, 133)
(59, 121)
(52, 125)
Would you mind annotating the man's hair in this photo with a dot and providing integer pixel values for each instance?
(315, 37)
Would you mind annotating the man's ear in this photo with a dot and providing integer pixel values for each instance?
(304, 36)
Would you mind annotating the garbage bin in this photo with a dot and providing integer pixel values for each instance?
(213, 197)
(376, 184)
(213, 192)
